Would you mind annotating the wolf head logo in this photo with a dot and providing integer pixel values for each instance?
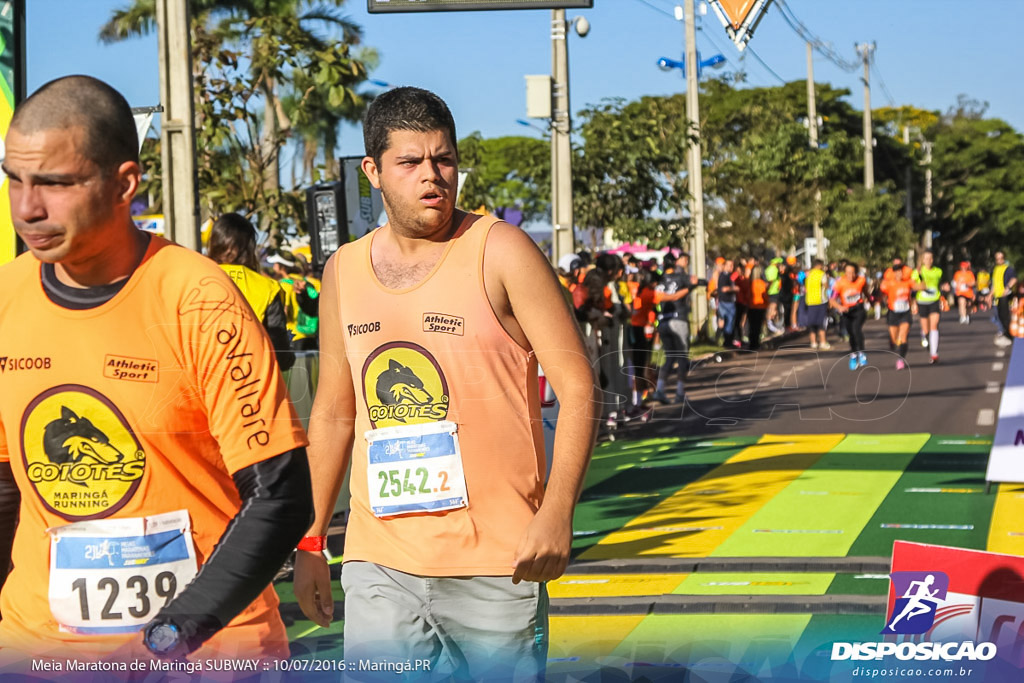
(399, 384)
(73, 439)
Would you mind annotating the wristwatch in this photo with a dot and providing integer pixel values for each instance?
(162, 638)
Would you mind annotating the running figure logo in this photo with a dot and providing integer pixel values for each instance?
(920, 594)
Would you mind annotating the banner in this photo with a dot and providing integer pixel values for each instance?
(1006, 463)
(142, 122)
(363, 202)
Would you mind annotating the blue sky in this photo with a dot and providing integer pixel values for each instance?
(929, 51)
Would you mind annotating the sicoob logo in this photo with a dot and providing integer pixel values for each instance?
(80, 455)
(922, 594)
(403, 384)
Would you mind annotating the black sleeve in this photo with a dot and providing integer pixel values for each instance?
(277, 509)
(309, 303)
(10, 500)
(276, 323)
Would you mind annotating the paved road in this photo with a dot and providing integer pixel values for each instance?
(794, 390)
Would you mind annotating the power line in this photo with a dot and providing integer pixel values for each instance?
(881, 82)
(825, 49)
(762, 62)
(656, 8)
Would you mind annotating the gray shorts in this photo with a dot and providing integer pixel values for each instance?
(470, 628)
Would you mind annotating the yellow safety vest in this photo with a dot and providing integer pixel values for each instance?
(258, 289)
(814, 287)
(998, 285)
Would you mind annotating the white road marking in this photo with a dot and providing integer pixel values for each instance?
(997, 366)
(992, 388)
(986, 417)
(1000, 354)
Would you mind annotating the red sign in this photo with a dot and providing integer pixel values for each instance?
(736, 10)
(740, 18)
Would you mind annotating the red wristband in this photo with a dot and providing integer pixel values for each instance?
(313, 544)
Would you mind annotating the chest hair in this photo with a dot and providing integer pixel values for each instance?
(402, 275)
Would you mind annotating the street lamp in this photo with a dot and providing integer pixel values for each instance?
(524, 122)
(715, 62)
(691, 64)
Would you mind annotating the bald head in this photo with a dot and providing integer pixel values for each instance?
(109, 136)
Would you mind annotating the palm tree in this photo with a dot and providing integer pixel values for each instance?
(283, 44)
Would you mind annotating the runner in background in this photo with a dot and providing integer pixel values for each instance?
(849, 299)
(817, 302)
(641, 335)
(1004, 283)
(773, 276)
(928, 285)
(712, 293)
(963, 286)
(741, 278)
(233, 246)
(757, 288)
(898, 289)
(672, 296)
(726, 292)
(983, 300)
(790, 294)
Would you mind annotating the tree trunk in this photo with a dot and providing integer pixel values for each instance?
(269, 151)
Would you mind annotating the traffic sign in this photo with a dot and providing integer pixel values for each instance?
(381, 6)
(740, 18)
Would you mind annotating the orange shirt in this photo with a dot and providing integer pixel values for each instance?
(141, 406)
(420, 357)
(758, 293)
(643, 307)
(898, 293)
(963, 283)
(849, 293)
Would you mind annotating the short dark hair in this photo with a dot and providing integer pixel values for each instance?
(104, 115)
(233, 240)
(818, 263)
(668, 260)
(407, 108)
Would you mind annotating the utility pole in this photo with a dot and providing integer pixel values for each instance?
(866, 50)
(927, 241)
(908, 180)
(563, 239)
(698, 261)
(812, 129)
(177, 125)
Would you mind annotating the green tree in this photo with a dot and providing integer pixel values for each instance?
(629, 174)
(978, 167)
(869, 226)
(507, 172)
(248, 56)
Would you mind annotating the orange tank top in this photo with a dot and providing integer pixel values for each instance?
(963, 281)
(850, 293)
(426, 354)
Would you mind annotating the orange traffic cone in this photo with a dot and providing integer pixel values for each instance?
(1014, 322)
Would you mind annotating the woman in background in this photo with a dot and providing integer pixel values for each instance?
(233, 246)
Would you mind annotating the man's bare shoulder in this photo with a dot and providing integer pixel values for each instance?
(507, 236)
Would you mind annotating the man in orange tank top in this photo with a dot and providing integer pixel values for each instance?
(147, 412)
(964, 283)
(898, 289)
(432, 327)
